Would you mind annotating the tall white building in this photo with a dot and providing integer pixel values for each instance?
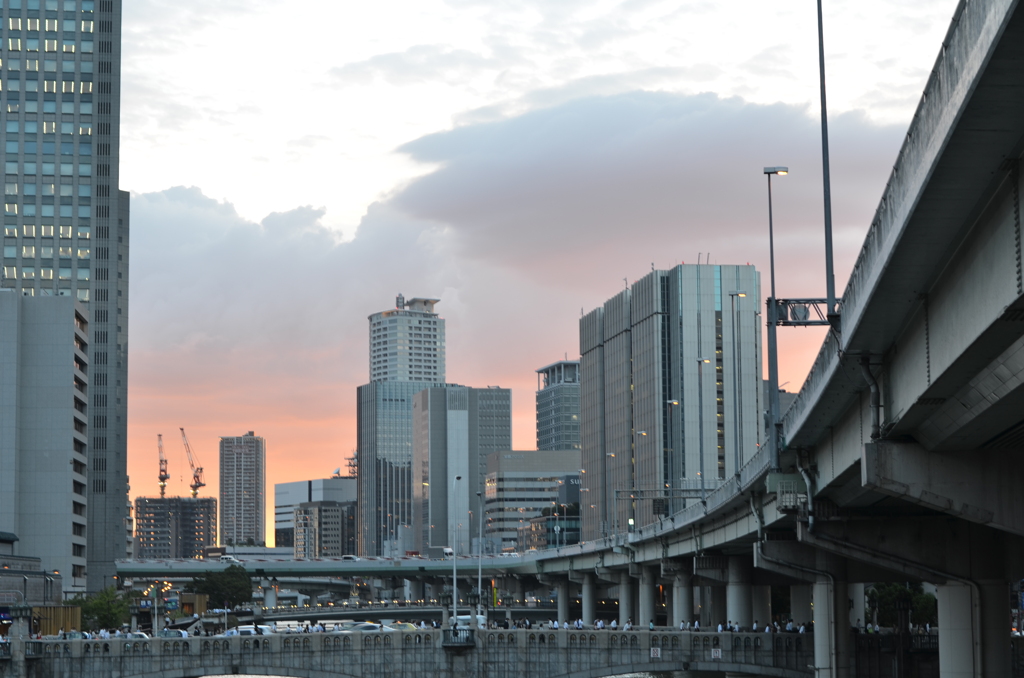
(407, 342)
(670, 392)
(242, 483)
(44, 416)
(66, 221)
(407, 354)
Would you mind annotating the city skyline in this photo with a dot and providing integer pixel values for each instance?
(468, 215)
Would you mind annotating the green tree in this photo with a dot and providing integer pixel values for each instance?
(884, 598)
(107, 609)
(232, 586)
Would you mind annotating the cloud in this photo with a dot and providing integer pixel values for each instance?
(420, 63)
(240, 325)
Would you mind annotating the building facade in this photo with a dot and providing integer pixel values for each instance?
(174, 527)
(454, 429)
(66, 226)
(670, 392)
(288, 497)
(324, 529)
(520, 485)
(44, 421)
(558, 406)
(242, 483)
(407, 354)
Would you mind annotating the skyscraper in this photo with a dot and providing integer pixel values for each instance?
(288, 496)
(66, 221)
(670, 382)
(454, 429)
(242, 482)
(407, 354)
(558, 406)
(44, 414)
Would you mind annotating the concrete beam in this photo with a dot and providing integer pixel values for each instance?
(711, 569)
(981, 486)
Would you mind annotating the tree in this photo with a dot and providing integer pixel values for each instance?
(232, 586)
(107, 609)
(883, 599)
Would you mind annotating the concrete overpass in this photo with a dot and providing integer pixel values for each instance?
(904, 452)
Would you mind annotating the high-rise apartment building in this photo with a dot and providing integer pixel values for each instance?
(66, 230)
(558, 406)
(324, 529)
(242, 482)
(44, 417)
(407, 354)
(454, 429)
(288, 497)
(521, 484)
(670, 391)
(174, 527)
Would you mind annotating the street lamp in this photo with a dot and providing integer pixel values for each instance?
(480, 554)
(773, 350)
(736, 379)
(700, 425)
(455, 561)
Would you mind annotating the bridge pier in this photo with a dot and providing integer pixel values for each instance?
(974, 641)
(739, 597)
(562, 588)
(682, 599)
(833, 643)
(646, 598)
(589, 598)
(625, 597)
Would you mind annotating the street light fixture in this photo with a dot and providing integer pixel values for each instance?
(455, 560)
(700, 425)
(773, 350)
(736, 380)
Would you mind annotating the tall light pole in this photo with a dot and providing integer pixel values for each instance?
(700, 426)
(672, 457)
(736, 380)
(480, 555)
(830, 278)
(455, 554)
(774, 426)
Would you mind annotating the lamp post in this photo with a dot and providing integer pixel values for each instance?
(773, 350)
(480, 554)
(455, 560)
(736, 380)
(830, 279)
(672, 455)
(700, 425)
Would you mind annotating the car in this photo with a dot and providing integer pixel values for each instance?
(136, 635)
(367, 626)
(172, 633)
(403, 626)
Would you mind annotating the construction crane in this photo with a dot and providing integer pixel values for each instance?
(164, 475)
(197, 472)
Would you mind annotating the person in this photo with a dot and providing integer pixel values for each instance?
(629, 625)
(682, 625)
(720, 627)
(767, 628)
(754, 627)
(696, 625)
(803, 629)
(927, 627)
(789, 626)
(650, 625)
(615, 624)
(554, 624)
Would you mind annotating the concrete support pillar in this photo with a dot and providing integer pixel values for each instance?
(563, 601)
(739, 602)
(415, 589)
(520, 594)
(762, 605)
(589, 598)
(832, 641)
(625, 598)
(857, 610)
(270, 594)
(973, 641)
(647, 590)
(682, 599)
(799, 604)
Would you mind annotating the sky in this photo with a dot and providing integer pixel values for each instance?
(517, 160)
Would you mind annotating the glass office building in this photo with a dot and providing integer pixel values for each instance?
(66, 227)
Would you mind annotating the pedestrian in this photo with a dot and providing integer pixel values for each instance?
(682, 625)
(650, 625)
(615, 624)
(696, 625)
(719, 627)
(754, 627)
